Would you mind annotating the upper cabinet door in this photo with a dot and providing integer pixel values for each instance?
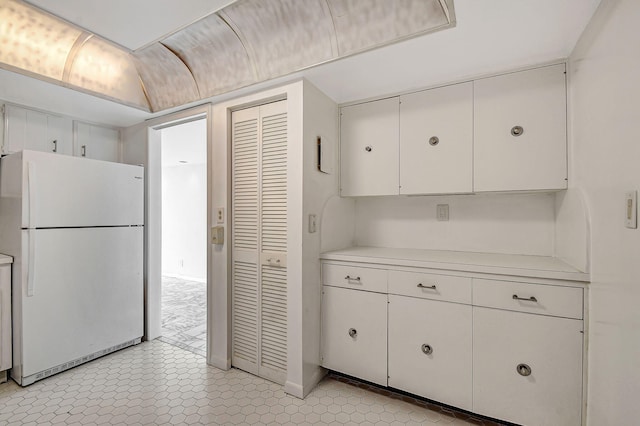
(369, 136)
(34, 130)
(436, 140)
(96, 142)
(520, 131)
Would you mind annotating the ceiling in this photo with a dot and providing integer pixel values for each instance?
(131, 24)
(490, 36)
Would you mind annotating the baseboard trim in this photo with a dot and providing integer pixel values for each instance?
(221, 363)
(301, 391)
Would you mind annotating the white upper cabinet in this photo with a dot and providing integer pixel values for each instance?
(520, 131)
(96, 142)
(34, 130)
(436, 140)
(369, 135)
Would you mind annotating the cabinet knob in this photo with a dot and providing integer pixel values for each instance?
(517, 131)
(353, 332)
(368, 148)
(434, 140)
(427, 349)
(523, 370)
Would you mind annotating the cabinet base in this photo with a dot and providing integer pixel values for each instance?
(426, 403)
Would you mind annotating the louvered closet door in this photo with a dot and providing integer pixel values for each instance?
(259, 213)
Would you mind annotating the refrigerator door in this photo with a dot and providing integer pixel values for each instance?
(62, 191)
(81, 293)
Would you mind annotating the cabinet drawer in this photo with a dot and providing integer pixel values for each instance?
(526, 297)
(355, 277)
(430, 286)
(430, 349)
(354, 333)
(527, 369)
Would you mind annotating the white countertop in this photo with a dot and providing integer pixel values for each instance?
(490, 263)
(5, 259)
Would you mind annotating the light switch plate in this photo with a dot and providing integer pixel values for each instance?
(442, 212)
(631, 209)
(217, 235)
(312, 223)
(220, 215)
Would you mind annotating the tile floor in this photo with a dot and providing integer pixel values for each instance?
(184, 314)
(157, 383)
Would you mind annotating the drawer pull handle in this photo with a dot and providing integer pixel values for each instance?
(523, 370)
(526, 299)
(350, 278)
(430, 287)
(353, 332)
(427, 349)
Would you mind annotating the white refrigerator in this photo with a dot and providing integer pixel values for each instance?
(75, 229)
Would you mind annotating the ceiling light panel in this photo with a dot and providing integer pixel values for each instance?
(168, 82)
(101, 67)
(283, 36)
(365, 24)
(34, 41)
(214, 54)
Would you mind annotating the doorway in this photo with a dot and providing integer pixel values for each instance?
(184, 235)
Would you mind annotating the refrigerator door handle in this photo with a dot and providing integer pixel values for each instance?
(31, 261)
(31, 181)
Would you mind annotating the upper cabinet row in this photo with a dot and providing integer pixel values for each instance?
(39, 131)
(504, 133)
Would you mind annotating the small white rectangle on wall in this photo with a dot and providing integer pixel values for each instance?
(631, 209)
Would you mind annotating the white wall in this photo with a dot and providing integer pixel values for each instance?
(184, 221)
(492, 223)
(604, 86)
(184, 200)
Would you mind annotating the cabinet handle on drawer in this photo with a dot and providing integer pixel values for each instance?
(523, 370)
(350, 278)
(430, 287)
(353, 332)
(526, 299)
(427, 349)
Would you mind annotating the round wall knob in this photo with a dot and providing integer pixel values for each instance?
(368, 148)
(427, 349)
(434, 140)
(353, 332)
(517, 130)
(523, 370)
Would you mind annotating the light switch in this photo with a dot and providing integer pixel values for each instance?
(217, 235)
(442, 212)
(220, 215)
(312, 223)
(631, 209)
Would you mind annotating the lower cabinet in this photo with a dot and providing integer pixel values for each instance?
(430, 349)
(510, 350)
(527, 368)
(354, 333)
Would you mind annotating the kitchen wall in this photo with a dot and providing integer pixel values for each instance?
(604, 87)
(493, 223)
(184, 221)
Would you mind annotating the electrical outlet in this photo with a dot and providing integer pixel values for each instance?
(442, 212)
(220, 215)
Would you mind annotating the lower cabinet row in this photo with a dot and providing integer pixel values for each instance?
(514, 366)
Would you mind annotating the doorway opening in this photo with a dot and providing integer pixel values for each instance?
(184, 235)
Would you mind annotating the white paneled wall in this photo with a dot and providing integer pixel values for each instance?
(492, 223)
